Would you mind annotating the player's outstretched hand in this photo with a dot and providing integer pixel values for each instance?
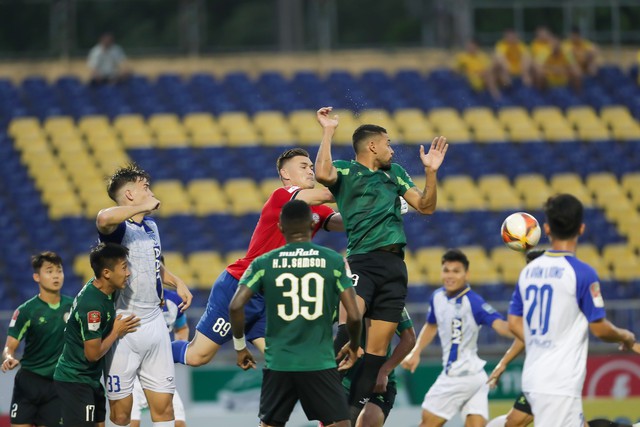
(186, 295)
(347, 357)
(435, 156)
(411, 362)
(628, 341)
(325, 120)
(245, 360)
(495, 375)
(9, 363)
(125, 325)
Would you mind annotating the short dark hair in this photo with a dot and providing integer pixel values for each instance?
(564, 214)
(288, 155)
(533, 254)
(364, 132)
(295, 212)
(124, 175)
(42, 257)
(453, 255)
(105, 255)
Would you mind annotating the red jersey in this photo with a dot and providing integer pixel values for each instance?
(267, 236)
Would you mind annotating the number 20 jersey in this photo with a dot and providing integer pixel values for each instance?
(557, 296)
(301, 284)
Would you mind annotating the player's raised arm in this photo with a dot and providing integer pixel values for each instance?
(326, 173)
(243, 294)
(425, 201)
(426, 336)
(108, 219)
(315, 196)
(607, 331)
(516, 326)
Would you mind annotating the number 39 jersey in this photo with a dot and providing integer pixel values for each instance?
(557, 296)
(301, 284)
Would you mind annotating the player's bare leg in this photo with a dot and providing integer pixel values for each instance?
(201, 350)
(20, 425)
(431, 420)
(135, 423)
(371, 416)
(160, 405)
(517, 418)
(475, 420)
(120, 410)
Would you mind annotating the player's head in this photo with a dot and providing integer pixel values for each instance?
(564, 214)
(296, 221)
(373, 140)
(129, 185)
(106, 39)
(533, 254)
(109, 263)
(455, 268)
(47, 270)
(296, 168)
(511, 36)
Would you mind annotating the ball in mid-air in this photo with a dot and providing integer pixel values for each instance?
(520, 231)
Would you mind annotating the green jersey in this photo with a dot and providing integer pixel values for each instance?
(41, 325)
(403, 325)
(92, 316)
(301, 284)
(370, 205)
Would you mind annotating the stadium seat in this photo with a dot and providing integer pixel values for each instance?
(623, 126)
(173, 198)
(604, 187)
(176, 263)
(82, 267)
(203, 130)
(207, 197)
(571, 183)
(244, 196)
(344, 132)
(380, 118)
(631, 185)
(413, 126)
(168, 130)
(430, 260)
(133, 131)
(589, 254)
(268, 186)
(232, 256)
(414, 270)
(498, 192)
(463, 193)
(508, 262)
(533, 189)
(206, 266)
(273, 128)
(238, 129)
(447, 122)
(305, 127)
(555, 127)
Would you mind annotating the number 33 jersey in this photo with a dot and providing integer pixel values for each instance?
(557, 296)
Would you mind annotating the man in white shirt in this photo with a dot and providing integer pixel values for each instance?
(107, 61)
(555, 304)
(456, 314)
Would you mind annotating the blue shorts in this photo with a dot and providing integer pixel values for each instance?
(214, 323)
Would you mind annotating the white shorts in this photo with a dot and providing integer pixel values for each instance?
(145, 353)
(468, 395)
(551, 410)
(140, 403)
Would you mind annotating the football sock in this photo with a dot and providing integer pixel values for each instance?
(179, 351)
(112, 424)
(498, 422)
(171, 423)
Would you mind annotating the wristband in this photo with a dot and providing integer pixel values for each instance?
(239, 343)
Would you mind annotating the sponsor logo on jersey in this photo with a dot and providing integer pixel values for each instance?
(456, 331)
(93, 320)
(65, 317)
(487, 307)
(14, 318)
(596, 295)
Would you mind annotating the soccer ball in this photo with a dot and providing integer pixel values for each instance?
(520, 231)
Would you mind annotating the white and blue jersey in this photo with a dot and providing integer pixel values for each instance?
(143, 293)
(173, 317)
(459, 319)
(557, 296)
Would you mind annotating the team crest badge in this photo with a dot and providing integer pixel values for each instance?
(316, 219)
(93, 320)
(596, 295)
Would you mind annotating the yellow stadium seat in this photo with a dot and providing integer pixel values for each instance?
(589, 253)
(533, 190)
(33, 145)
(233, 256)
(23, 126)
(616, 251)
(430, 261)
(96, 202)
(206, 266)
(581, 114)
(447, 122)
(631, 186)
(414, 270)
(207, 197)
(104, 142)
(571, 183)
(109, 161)
(615, 113)
(484, 125)
(305, 127)
(133, 131)
(87, 124)
(509, 263)
(380, 118)
(604, 187)
(629, 224)
(168, 130)
(344, 132)
(238, 128)
(173, 198)
(555, 127)
(244, 196)
(499, 193)
(59, 124)
(620, 208)
(204, 130)
(268, 186)
(463, 193)
(175, 263)
(82, 267)
(65, 206)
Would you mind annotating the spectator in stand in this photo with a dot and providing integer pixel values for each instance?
(476, 66)
(558, 70)
(541, 45)
(582, 52)
(107, 61)
(512, 59)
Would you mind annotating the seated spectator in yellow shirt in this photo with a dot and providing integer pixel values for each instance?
(559, 70)
(513, 58)
(582, 52)
(541, 45)
(476, 66)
